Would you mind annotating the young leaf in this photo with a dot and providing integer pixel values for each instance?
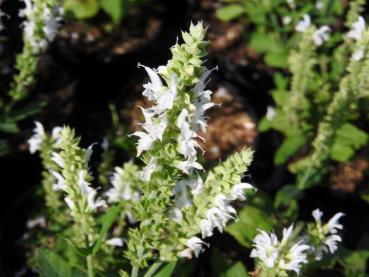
(230, 12)
(82, 9)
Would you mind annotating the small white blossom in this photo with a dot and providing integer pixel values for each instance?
(327, 234)
(55, 134)
(303, 24)
(291, 3)
(149, 169)
(358, 54)
(69, 202)
(319, 5)
(287, 20)
(357, 30)
(188, 165)
(270, 114)
(238, 191)
(217, 217)
(321, 35)
(38, 136)
(38, 221)
(120, 190)
(60, 182)
(195, 246)
(279, 254)
(89, 192)
(115, 242)
(154, 87)
(57, 159)
(265, 248)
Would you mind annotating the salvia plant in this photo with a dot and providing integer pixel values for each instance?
(41, 22)
(320, 101)
(171, 203)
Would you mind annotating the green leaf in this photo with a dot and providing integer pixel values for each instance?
(82, 9)
(50, 264)
(289, 147)
(237, 270)
(230, 12)
(114, 8)
(249, 221)
(277, 59)
(349, 138)
(167, 270)
(9, 127)
(285, 195)
(107, 221)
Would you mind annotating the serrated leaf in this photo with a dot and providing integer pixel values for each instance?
(249, 221)
(114, 8)
(230, 12)
(349, 138)
(50, 264)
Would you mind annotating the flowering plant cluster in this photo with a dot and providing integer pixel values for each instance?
(174, 202)
(295, 251)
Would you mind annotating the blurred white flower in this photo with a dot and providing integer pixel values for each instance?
(303, 24)
(357, 29)
(319, 5)
(115, 242)
(286, 20)
(238, 191)
(120, 190)
(321, 35)
(358, 54)
(36, 140)
(195, 246)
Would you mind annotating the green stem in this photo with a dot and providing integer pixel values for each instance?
(152, 270)
(134, 272)
(90, 269)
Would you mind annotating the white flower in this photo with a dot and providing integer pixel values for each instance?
(70, 203)
(60, 182)
(238, 191)
(149, 169)
(155, 130)
(154, 87)
(218, 216)
(57, 159)
(89, 152)
(303, 24)
(52, 23)
(115, 242)
(357, 29)
(120, 190)
(38, 221)
(186, 140)
(333, 225)
(327, 234)
(89, 192)
(296, 256)
(358, 54)
(279, 255)
(36, 140)
(265, 248)
(195, 246)
(319, 5)
(291, 3)
(321, 35)
(55, 134)
(189, 164)
(166, 99)
(287, 20)
(270, 114)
